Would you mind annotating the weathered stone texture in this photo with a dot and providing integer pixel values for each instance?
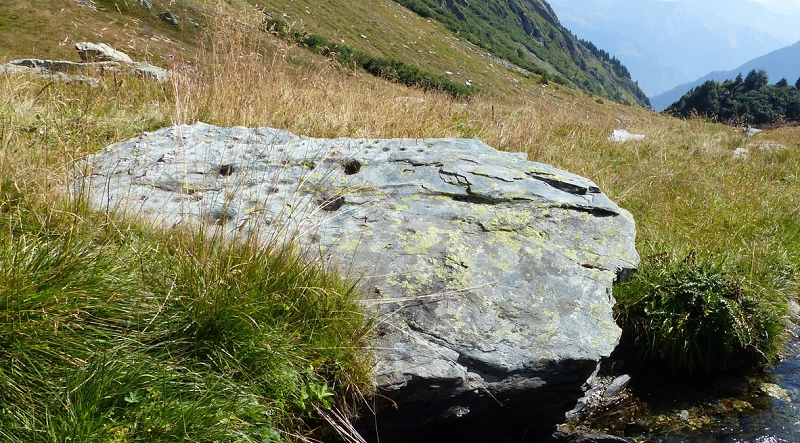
(96, 58)
(490, 275)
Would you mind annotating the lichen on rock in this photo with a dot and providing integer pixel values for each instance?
(490, 276)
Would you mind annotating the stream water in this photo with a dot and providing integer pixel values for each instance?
(752, 408)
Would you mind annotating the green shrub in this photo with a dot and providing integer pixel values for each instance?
(695, 314)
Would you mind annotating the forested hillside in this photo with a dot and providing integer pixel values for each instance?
(528, 34)
(750, 100)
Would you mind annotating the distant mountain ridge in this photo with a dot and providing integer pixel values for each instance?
(666, 43)
(781, 63)
(528, 34)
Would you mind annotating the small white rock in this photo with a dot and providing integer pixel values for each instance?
(740, 153)
(621, 136)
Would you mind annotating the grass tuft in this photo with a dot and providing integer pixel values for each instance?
(694, 314)
(110, 333)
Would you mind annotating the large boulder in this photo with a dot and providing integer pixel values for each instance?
(490, 276)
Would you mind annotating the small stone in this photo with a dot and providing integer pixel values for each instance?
(168, 17)
(776, 392)
(150, 72)
(749, 132)
(617, 386)
(88, 3)
(622, 136)
(741, 153)
(146, 4)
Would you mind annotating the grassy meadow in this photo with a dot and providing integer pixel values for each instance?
(114, 331)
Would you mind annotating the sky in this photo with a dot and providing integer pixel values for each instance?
(776, 5)
(666, 43)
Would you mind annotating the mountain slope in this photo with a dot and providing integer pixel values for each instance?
(382, 28)
(528, 34)
(666, 43)
(457, 37)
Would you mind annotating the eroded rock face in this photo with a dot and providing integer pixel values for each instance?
(95, 58)
(100, 52)
(490, 275)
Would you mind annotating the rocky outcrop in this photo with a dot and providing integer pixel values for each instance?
(490, 276)
(100, 52)
(96, 58)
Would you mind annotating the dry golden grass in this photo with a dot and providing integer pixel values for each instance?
(682, 183)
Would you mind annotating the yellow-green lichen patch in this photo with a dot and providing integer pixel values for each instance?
(451, 262)
(538, 170)
(456, 320)
(508, 245)
(459, 276)
(351, 244)
(570, 254)
(480, 210)
(548, 330)
(506, 335)
(600, 312)
(411, 284)
(422, 242)
(518, 220)
(509, 241)
(515, 195)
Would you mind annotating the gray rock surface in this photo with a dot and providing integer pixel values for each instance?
(622, 136)
(741, 153)
(771, 147)
(100, 52)
(168, 17)
(96, 58)
(490, 275)
(750, 132)
(601, 391)
(88, 3)
(56, 71)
